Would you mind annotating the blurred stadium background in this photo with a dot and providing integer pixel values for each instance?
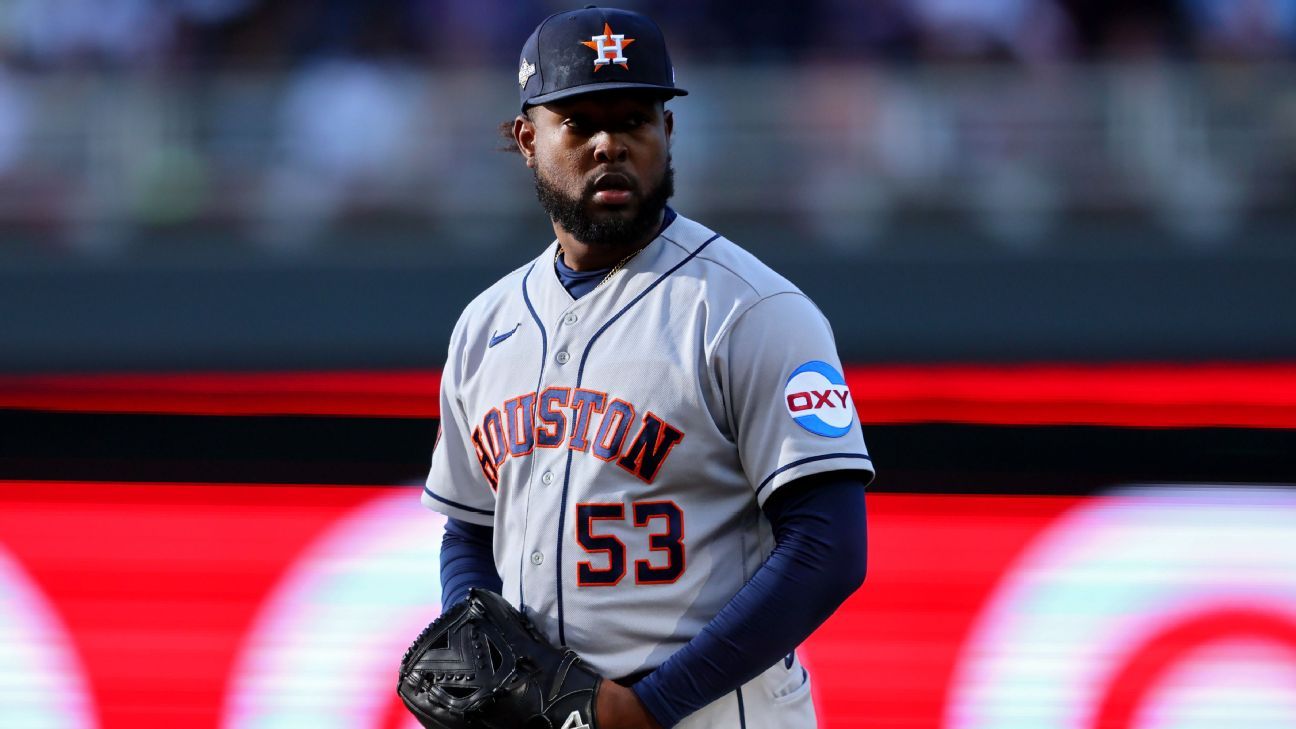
(1056, 239)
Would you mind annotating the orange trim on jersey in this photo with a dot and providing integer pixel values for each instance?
(517, 427)
(559, 427)
(624, 420)
(589, 529)
(484, 459)
(581, 430)
(669, 563)
(495, 440)
(638, 462)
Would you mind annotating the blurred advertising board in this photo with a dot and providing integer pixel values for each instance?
(257, 605)
(1052, 547)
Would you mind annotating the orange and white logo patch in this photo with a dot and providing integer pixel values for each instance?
(610, 48)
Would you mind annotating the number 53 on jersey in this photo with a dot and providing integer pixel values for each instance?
(659, 523)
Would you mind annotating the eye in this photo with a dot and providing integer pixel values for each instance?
(579, 126)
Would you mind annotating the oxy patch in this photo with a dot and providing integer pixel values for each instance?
(818, 400)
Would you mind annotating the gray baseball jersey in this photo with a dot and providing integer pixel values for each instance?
(621, 444)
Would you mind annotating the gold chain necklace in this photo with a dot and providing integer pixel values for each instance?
(620, 264)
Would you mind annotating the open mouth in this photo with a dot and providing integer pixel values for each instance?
(613, 188)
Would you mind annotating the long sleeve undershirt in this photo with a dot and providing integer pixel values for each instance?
(467, 561)
(820, 558)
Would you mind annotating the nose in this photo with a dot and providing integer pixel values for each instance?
(609, 148)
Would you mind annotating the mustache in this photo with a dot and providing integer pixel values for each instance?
(571, 210)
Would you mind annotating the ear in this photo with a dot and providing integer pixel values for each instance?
(668, 119)
(524, 133)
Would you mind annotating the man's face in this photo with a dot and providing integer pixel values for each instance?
(601, 163)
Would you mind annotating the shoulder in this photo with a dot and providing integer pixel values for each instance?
(732, 286)
(480, 312)
(726, 268)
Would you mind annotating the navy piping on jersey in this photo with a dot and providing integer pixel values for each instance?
(544, 337)
(811, 459)
(456, 504)
(742, 712)
(544, 355)
(580, 377)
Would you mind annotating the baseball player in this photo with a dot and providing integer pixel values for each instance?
(647, 444)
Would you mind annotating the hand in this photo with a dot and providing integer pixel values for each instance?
(617, 707)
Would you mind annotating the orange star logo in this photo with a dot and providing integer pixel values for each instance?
(610, 48)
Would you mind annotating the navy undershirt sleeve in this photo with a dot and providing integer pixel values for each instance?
(820, 558)
(467, 561)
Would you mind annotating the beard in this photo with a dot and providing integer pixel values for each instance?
(571, 213)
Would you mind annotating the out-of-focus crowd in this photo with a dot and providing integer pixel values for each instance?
(215, 34)
(286, 121)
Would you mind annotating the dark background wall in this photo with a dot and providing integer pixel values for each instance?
(253, 184)
(321, 315)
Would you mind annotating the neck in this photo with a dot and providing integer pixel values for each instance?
(580, 256)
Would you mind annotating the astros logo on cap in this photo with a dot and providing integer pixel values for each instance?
(610, 48)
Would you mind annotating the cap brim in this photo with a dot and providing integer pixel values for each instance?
(668, 91)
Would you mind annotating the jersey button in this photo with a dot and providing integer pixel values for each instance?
(547, 478)
(570, 319)
(537, 558)
(562, 357)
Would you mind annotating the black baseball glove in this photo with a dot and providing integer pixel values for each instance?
(482, 665)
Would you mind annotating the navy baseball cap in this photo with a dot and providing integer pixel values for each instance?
(594, 49)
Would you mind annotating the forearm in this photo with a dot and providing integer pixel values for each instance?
(819, 560)
(467, 561)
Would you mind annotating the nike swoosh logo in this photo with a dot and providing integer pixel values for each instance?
(497, 338)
